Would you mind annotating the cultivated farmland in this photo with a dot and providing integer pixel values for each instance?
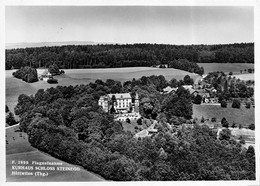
(225, 67)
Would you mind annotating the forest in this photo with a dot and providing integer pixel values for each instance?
(128, 55)
(68, 123)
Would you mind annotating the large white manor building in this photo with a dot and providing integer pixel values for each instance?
(122, 103)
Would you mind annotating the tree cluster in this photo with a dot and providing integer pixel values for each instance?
(54, 70)
(134, 55)
(9, 117)
(184, 64)
(27, 74)
(228, 87)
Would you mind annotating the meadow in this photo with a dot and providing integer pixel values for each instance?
(241, 116)
(244, 77)
(18, 148)
(225, 67)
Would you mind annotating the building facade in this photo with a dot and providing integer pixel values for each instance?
(122, 103)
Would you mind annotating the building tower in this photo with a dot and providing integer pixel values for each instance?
(136, 104)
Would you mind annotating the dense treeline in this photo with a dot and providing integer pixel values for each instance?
(184, 64)
(67, 123)
(134, 55)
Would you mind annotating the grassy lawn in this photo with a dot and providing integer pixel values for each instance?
(131, 126)
(241, 116)
(18, 148)
(17, 142)
(225, 67)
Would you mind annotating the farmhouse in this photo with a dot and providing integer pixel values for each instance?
(208, 94)
(120, 103)
(45, 76)
(190, 89)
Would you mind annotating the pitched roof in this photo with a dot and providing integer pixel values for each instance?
(189, 88)
(121, 96)
(169, 89)
(142, 134)
(206, 94)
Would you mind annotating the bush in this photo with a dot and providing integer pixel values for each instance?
(139, 121)
(236, 103)
(197, 99)
(241, 140)
(6, 109)
(230, 73)
(128, 120)
(252, 126)
(195, 120)
(202, 119)
(213, 119)
(223, 104)
(233, 125)
(250, 70)
(52, 81)
(224, 122)
(27, 74)
(248, 105)
(10, 119)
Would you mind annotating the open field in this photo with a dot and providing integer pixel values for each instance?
(15, 87)
(241, 116)
(18, 148)
(245, 77)
(17, 142)
(225, 67)
(124, 74)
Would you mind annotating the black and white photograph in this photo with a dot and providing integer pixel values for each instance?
(130, 93)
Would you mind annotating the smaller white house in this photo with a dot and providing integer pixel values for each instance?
(45, 75)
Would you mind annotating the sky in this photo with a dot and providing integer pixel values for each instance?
(130, 24)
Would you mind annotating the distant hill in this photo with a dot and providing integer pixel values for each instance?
(49, 44)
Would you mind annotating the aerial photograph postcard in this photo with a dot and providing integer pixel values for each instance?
(107, 93)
